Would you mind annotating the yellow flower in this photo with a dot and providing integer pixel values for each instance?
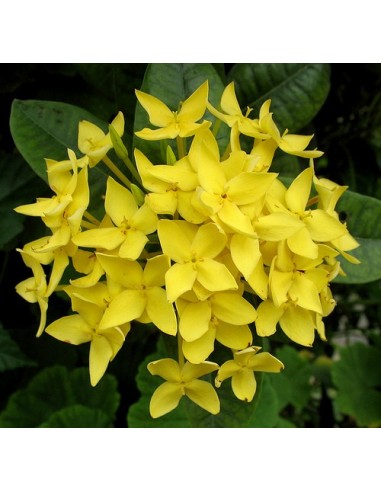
(224, 191)
(132, 224)
(289, 143)
(63, 212)
(224, 317)
(233, 115)
(171, 187)
(90, 304)
(142, 296)
(34, 289)
(180, 123)
(193, 250)
(300, 227)
(182, 381)
(93, 142)
(242, 370)
(329, 194)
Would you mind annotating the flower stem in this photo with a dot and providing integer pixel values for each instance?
(117, 171)
(133, 170)
(91, 218)
(180, 146)
(180, 349)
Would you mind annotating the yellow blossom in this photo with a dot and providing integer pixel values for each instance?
(182, 381)
(93, 142)
(132, 224)
(242, 370)
(180, 123)
(34, 289)
(90, 304)
(193, 250)
(224, 317)
(141, 295)
(233, 116)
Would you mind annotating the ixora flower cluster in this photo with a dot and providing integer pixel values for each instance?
(187, 243)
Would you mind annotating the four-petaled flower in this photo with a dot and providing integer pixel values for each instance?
(182, 381)
(242, 370)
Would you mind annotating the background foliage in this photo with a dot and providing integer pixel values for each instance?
(335, 384)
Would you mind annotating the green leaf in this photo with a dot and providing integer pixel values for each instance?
(77, 416)
(18, 184)
(362, 214)
(115, 81)
(234, 413)
(173, 83)
(357, 376)
(47, 129)
(267, 406)
(292, 384)
(104, 396)
(55, 388)
(297, 90)
(11, 356)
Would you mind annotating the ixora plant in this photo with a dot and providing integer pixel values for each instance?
(193, 233)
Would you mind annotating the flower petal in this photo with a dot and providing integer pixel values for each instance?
(298, 324)
(268, 317)
(299, 191)
(204, 395)
(175, 238)
(100, 354)
(245, 253)
(195, 371)
(126, 306)
(209, 241)
(119, 203)
(194, 107)
(324, 227)
(227, 370)
(133, 244)
(70, 329)
(277, 226)
(249, 187)
(155, 270)
(301, 244)
(165, 399)
(179, 279)
(232, 308)
(199, 350)
(194, 320)
(244, 385)
(160, 311)
(236, 337)
(265, 362)
(167, 368)
(215, 276)
(106, 238)
(158, 112)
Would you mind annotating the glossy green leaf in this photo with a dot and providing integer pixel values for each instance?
(18, 184)
(11, 356)
(78, 416)
(115, 81)
(357, 376)
(55, 388)
(297, 90)
(43, 129)
(292, 384)
(173, 83)
(362, 214)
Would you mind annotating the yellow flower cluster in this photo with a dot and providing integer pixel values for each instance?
(187, 243)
